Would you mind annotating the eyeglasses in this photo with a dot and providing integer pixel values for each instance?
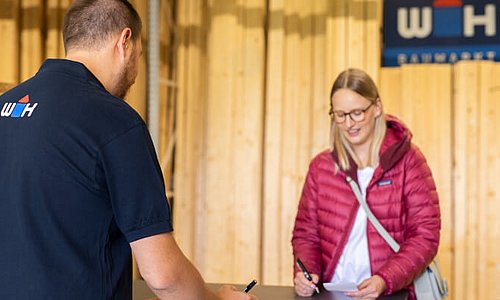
(356, 115)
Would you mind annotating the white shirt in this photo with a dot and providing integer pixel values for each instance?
(354, 264)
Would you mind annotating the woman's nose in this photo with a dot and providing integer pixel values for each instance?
(348, 121)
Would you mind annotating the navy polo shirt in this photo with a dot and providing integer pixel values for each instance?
(79, 181)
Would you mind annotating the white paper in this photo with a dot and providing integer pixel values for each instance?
(340, 287)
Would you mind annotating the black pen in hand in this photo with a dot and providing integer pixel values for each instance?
(306, 273)
(250, 286)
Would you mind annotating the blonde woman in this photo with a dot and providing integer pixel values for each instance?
(332, 236)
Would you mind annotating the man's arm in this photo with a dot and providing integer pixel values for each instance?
(170, 275)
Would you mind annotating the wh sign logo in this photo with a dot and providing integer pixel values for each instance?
(417, 22)
(440, 31)
(19, 109)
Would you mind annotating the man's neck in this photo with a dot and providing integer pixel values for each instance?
(96, 62)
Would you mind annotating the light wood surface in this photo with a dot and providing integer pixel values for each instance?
(488, 270)
(137, 94)
(9, 51)
(190, 120)
(426, 107)
(467, 137)
(31, 37)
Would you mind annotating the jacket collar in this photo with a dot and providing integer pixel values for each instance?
(396, 143)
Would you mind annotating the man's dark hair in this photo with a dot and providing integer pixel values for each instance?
(88, 23)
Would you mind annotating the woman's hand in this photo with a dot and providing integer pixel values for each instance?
(304, 287)
(370, 288)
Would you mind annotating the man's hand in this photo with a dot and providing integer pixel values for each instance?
(304, 287)
(229, 292)
(371, 288)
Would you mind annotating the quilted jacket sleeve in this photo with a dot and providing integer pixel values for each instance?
(423, 223)
(305, 239)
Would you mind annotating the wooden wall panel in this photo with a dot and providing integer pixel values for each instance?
(336, 38)
(296, 120)
(426, 108)
(421, 95)
(231, 140)
(190, 123)
(167, 87)
(248, 141)
(353, 36)
(373, 38)
(234, 140)
(220, 233)
(489, 197)
(356, 33)
(321, 80)
(9, 51)
(295, 92)
(137, 95)
(32, 51)
(467, 103)
(54, 14)
(390, 90)
(274, 265)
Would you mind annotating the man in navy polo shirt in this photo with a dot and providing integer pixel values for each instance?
(80, 183)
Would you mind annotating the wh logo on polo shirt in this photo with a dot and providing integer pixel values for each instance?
(19, 109)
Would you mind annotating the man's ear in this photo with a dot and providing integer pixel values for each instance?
(125, 42)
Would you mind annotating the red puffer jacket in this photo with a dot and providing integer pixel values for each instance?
(401, 194)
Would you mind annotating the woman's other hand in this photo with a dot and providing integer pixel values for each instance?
(370, 288)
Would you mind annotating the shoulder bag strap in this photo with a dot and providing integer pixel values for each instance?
(381, 230)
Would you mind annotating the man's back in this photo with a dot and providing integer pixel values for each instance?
(71, 159)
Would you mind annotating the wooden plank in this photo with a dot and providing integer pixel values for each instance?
(355, 55)
(137, 96)
(232, 182)
(272, 263)
(9, 52)
(337, 37)
(198, 86)
(373, 37)
(190, 112)
(247, 139)
(304, 102)
(53, 20)
(289, 148)
(167, 90)
(466, 133)
(219, 237)
(426, 86)
(390, 90)
(63, 6)
(320, 81)
(489, 232)
(31, 38)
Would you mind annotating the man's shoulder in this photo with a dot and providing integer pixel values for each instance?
(110, 106)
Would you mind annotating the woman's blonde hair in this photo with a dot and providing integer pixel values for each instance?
(357, 81)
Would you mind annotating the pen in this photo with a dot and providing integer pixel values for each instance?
(250, 286)
(306, 273)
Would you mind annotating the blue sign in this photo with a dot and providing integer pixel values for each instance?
(440, 31)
